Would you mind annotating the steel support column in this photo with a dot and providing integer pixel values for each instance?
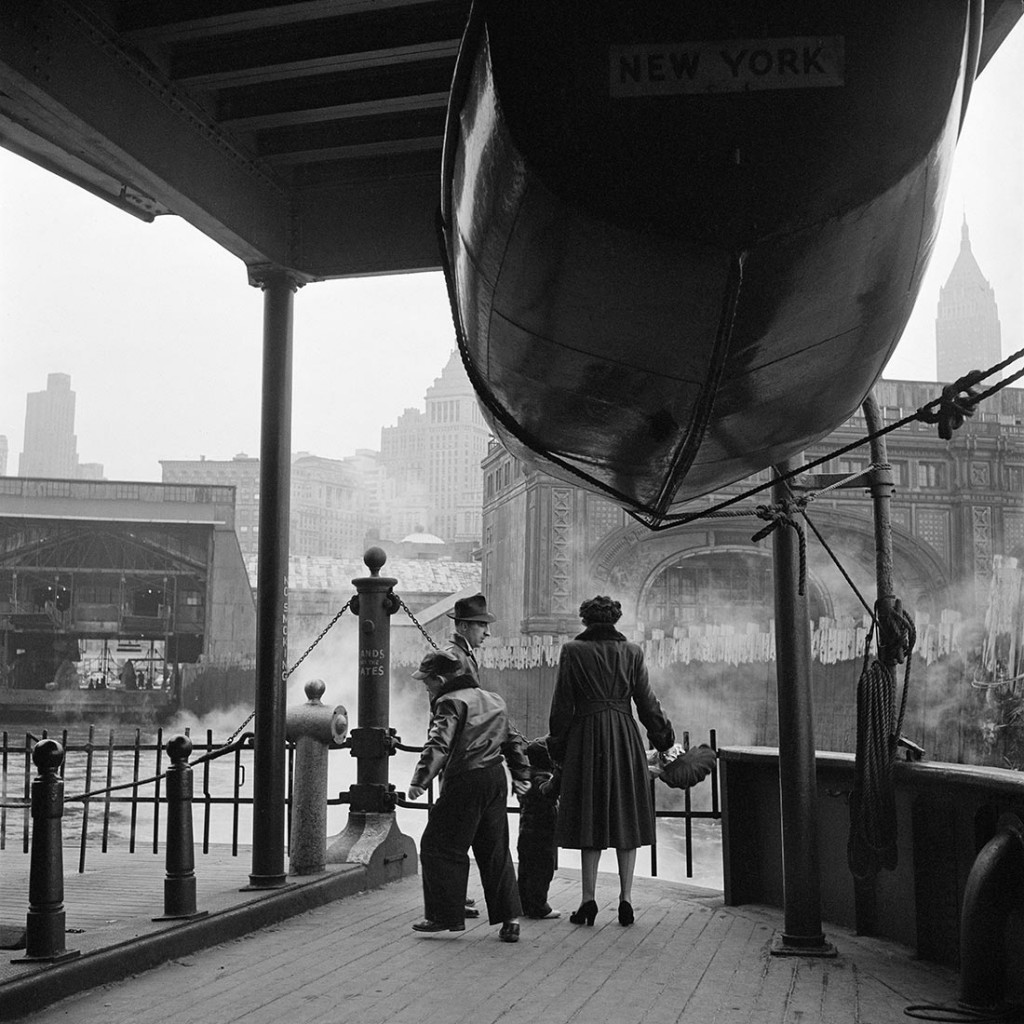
(865, 887)
(268, 821)
(797, 781)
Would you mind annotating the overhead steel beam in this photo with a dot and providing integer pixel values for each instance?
(273, 15)
(357, 151)
(340, 112)
(445, 49)
(67, 86)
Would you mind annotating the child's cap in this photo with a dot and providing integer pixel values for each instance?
(537, 753)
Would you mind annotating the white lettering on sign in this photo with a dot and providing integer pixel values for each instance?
(736, 65)
(371, 661)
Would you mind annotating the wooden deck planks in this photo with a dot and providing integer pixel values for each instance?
(686, 960)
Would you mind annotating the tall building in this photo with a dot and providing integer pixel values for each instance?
(3, 455)
(333, 503)
(241, 472)
(51, 448)
(325, 517)
(967, 331)
(433, 460)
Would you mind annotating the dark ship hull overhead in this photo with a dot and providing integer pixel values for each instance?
(685, 239)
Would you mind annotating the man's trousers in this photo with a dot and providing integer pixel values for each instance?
(470, 814)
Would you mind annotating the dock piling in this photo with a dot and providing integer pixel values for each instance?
(314, 728)
(45, 925)
(180, 883)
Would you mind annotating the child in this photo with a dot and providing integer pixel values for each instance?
(537, 817)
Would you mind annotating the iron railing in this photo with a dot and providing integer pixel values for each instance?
(114, 793)
(114, 789)
(686, 814)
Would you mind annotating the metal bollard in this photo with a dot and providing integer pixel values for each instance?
(315, 729)
(44, 930)
(180, 883)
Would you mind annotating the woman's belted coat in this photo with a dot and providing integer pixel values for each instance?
(606, 795)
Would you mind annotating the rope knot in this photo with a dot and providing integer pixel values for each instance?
(783, 514)
(953, 410)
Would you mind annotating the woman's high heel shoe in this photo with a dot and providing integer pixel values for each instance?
(586, 913)
(625, 913)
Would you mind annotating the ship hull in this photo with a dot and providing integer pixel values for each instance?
(666, 275)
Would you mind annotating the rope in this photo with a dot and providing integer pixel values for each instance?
(25, 802)
(928, 413)
(873, 829)
(782, 515)
(953, 410)
(228, 746)
(951, 1014)
(839, 565)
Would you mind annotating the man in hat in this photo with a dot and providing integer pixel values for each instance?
(471, 739)
(471, 621)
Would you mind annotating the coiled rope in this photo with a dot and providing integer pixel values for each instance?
(873, 830)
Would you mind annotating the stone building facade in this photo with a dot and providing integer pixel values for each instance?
(958, 503)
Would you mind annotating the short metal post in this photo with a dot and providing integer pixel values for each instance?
(180, 883)
(44, 930)
(314, 729)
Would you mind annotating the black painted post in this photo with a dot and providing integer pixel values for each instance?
(797, 771)
(45, 926)
(180, 883)
(372, 836)
(269, 762)
(371, 745)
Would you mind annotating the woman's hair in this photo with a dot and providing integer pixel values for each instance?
(600, 609)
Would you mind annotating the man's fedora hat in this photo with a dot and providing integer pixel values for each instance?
(472, 609)
(438, 664)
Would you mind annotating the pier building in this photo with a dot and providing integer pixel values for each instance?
(99, 579)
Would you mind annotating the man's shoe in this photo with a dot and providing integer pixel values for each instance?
(472, 912)
(436, 926)
(509, 932)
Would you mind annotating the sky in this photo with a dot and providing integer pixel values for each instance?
(161, 332)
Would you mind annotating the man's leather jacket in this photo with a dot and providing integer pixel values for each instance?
(470, 729)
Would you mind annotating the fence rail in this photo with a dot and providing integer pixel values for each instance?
(114, 791)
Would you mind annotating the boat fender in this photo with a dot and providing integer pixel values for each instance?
(994, 889)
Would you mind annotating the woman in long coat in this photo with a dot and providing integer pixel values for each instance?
(605, 795)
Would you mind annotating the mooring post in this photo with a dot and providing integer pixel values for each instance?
(180, 882)
(45, 926)
(372, 836)
(314, 729)
(798, 791)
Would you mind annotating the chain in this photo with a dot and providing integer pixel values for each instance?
(309, 650)
(344, 608)
(426, 635)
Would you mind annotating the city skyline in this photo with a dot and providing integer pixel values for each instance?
(161, 333)
(65, 380)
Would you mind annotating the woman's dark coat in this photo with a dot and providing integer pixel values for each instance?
(606, 797)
